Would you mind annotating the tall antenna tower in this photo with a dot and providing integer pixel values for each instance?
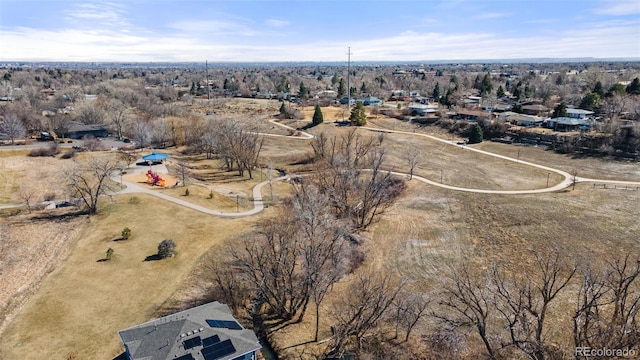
(206, 69)
(349, 78)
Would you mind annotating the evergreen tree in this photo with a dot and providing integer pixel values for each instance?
(454, 80)
(283, 109)
(363, 88)
(591, 101)
(193, 88)
(436, 91)
(358, 116)
(634, 87)
(341, 88)
(486, 86)
(598, 89)
(303, 91)
(500, 92)
(226, 84)
(475, 136)
(517, 108)
(334, 79)
(560, 110)
(317, 116)
(616, 88)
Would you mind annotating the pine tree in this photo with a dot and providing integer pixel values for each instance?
(317, 116)
(598, 89)
(634, 87)
(560, 110)
(486, 86)
(475, 137)
(283, 109)
(436, 91)
(363, 88)
(341, 88)
(358, 116)
(500, 92)
(302, 91)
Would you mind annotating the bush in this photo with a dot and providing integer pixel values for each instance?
(51, 150)
(186, 192)
(211, 195)
(69, 154)
(126, 233)
(109, 254)
(166, 248)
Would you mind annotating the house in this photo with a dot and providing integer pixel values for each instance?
(534, 109)
(520, 119)
(370, 100)
(568, 124)
(472, 115)
(78, 130)
(423, 110)
(206, 332)
(578, 113)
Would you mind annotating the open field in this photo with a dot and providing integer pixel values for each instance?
(81, 306)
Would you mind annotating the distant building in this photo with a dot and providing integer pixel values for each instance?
(578, 113)
(370, 101)
(78, 130)
(206, 332)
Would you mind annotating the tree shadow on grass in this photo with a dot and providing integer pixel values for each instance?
(119, 239)
(102, 260)
(154, 257)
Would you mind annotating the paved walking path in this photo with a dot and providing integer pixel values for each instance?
(258, 204)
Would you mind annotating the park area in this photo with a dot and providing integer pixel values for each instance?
(61, 298)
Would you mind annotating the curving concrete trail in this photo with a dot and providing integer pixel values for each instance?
(258, 204)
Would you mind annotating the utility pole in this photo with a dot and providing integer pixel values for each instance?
(206, 69)
(349, 78)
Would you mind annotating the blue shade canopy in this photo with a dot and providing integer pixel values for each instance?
(155, 157)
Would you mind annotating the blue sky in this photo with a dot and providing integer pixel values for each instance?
(320, 30)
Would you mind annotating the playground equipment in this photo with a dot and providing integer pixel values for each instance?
(154, 179)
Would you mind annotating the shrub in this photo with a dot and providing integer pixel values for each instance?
(186, 192)
(134, 200)
(69, 154)
(211, 194)
(126, 233)
(166, 248)
(51, 150)
(109, 254)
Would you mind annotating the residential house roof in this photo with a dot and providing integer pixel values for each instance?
(570, 121)
(206, 332)
(535, 107)
(579, 111)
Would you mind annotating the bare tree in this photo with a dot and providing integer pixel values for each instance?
(89, 180)
(409, 309)
(90, 114)
(606, 314)
(358, 312)
(351, 175)
(467, 303)
(412, 155)
(11, 126)
(26, 193)
(118, 114)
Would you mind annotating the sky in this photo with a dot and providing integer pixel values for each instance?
(317, 31)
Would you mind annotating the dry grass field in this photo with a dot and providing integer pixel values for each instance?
(81, 304)
(80, 307)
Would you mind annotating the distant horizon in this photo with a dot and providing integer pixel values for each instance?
(280, 31)
(355, 63)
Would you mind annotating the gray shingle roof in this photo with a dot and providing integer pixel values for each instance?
(164, 338)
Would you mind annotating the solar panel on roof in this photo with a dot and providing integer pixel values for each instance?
(206, 342)
(219, 350)
(185, 357)
(193, 342)
(233, 325)
(224, 324)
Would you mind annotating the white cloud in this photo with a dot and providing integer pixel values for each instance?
(610, 39)
(620, 7)
(214, 27)
(92, 14)
(277, 23)
(491, 15)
